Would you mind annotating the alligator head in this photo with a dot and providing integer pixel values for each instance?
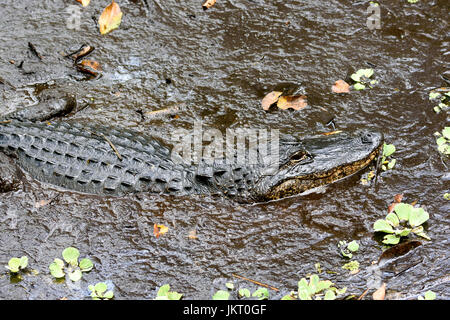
(317, 161)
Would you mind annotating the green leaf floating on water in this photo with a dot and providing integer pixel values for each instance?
(304, 291)
(391, 239)
(417, 217)
(56, 268)
(367, 73)
(353, 246)
(446, 132)
(15, 264)
(403, 210)
(221, 295)
(392, 218)
(86, 265)
(244, 292)
(329, 295)
(430, 295)
(388, 149)
(71, 255)
(75, 275)
(163, 290)
(261, 293)
(382, 226)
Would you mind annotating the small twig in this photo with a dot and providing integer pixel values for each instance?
(110, 144)
(363, 294)
(34, 50)
(5, 121)
(255, 282)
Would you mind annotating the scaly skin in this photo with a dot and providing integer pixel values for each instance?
(82, 158)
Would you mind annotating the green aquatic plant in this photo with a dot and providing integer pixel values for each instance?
(388, 150)
(164, 293)
(100, 291)
(443, 141)
(352, 266)
(401, 222)
(71, 267)
(315, 289)
(347, 248)
(429, 295)
(261, 293)
(441, 98)
(221, 295)
(362, 79)
(17, 264)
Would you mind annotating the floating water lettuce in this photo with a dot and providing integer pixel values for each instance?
(429, 295)
(99, 291)
(441, 96)
(164, 293)
(16, 264)
(74, 270)
(388, 150)
(362, 79)
(443, 141)
(221, 295)
(347, 249)
(401, 222)
(316, 289)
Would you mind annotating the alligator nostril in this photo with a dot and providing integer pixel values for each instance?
(367, 138)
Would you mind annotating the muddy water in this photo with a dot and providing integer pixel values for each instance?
(221, 62)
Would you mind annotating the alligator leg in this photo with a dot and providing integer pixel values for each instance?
(10, 175)
(52, 104)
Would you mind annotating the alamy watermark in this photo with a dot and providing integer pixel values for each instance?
(241, 146)
(73, 19)
(374, 19)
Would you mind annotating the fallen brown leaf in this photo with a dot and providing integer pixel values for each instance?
(294, 102)
(398, 198)
(380, 293)
(110, 18)
(85, 3)
(192, 234)
(270, 99)
(331, 133)
(208, 4)
(340, 86)
(42, 203)
(89, 66)
(159, 229)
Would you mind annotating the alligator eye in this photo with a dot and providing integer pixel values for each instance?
(299, 156)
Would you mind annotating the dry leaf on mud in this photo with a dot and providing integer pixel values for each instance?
(42, 203)
(397, 199)
(208, 4)
(159, 229)
(110, 18)
(331, 132)
(192, 234)
(85, 3)
(89, 66)
(340, 86)
(270, 99)
(294, 102)
(380, 293)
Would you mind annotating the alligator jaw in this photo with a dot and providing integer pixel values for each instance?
(300, 183)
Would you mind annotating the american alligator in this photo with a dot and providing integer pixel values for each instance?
(109, 161)
(82, 158)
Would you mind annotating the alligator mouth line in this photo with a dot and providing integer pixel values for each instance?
(298, 185)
